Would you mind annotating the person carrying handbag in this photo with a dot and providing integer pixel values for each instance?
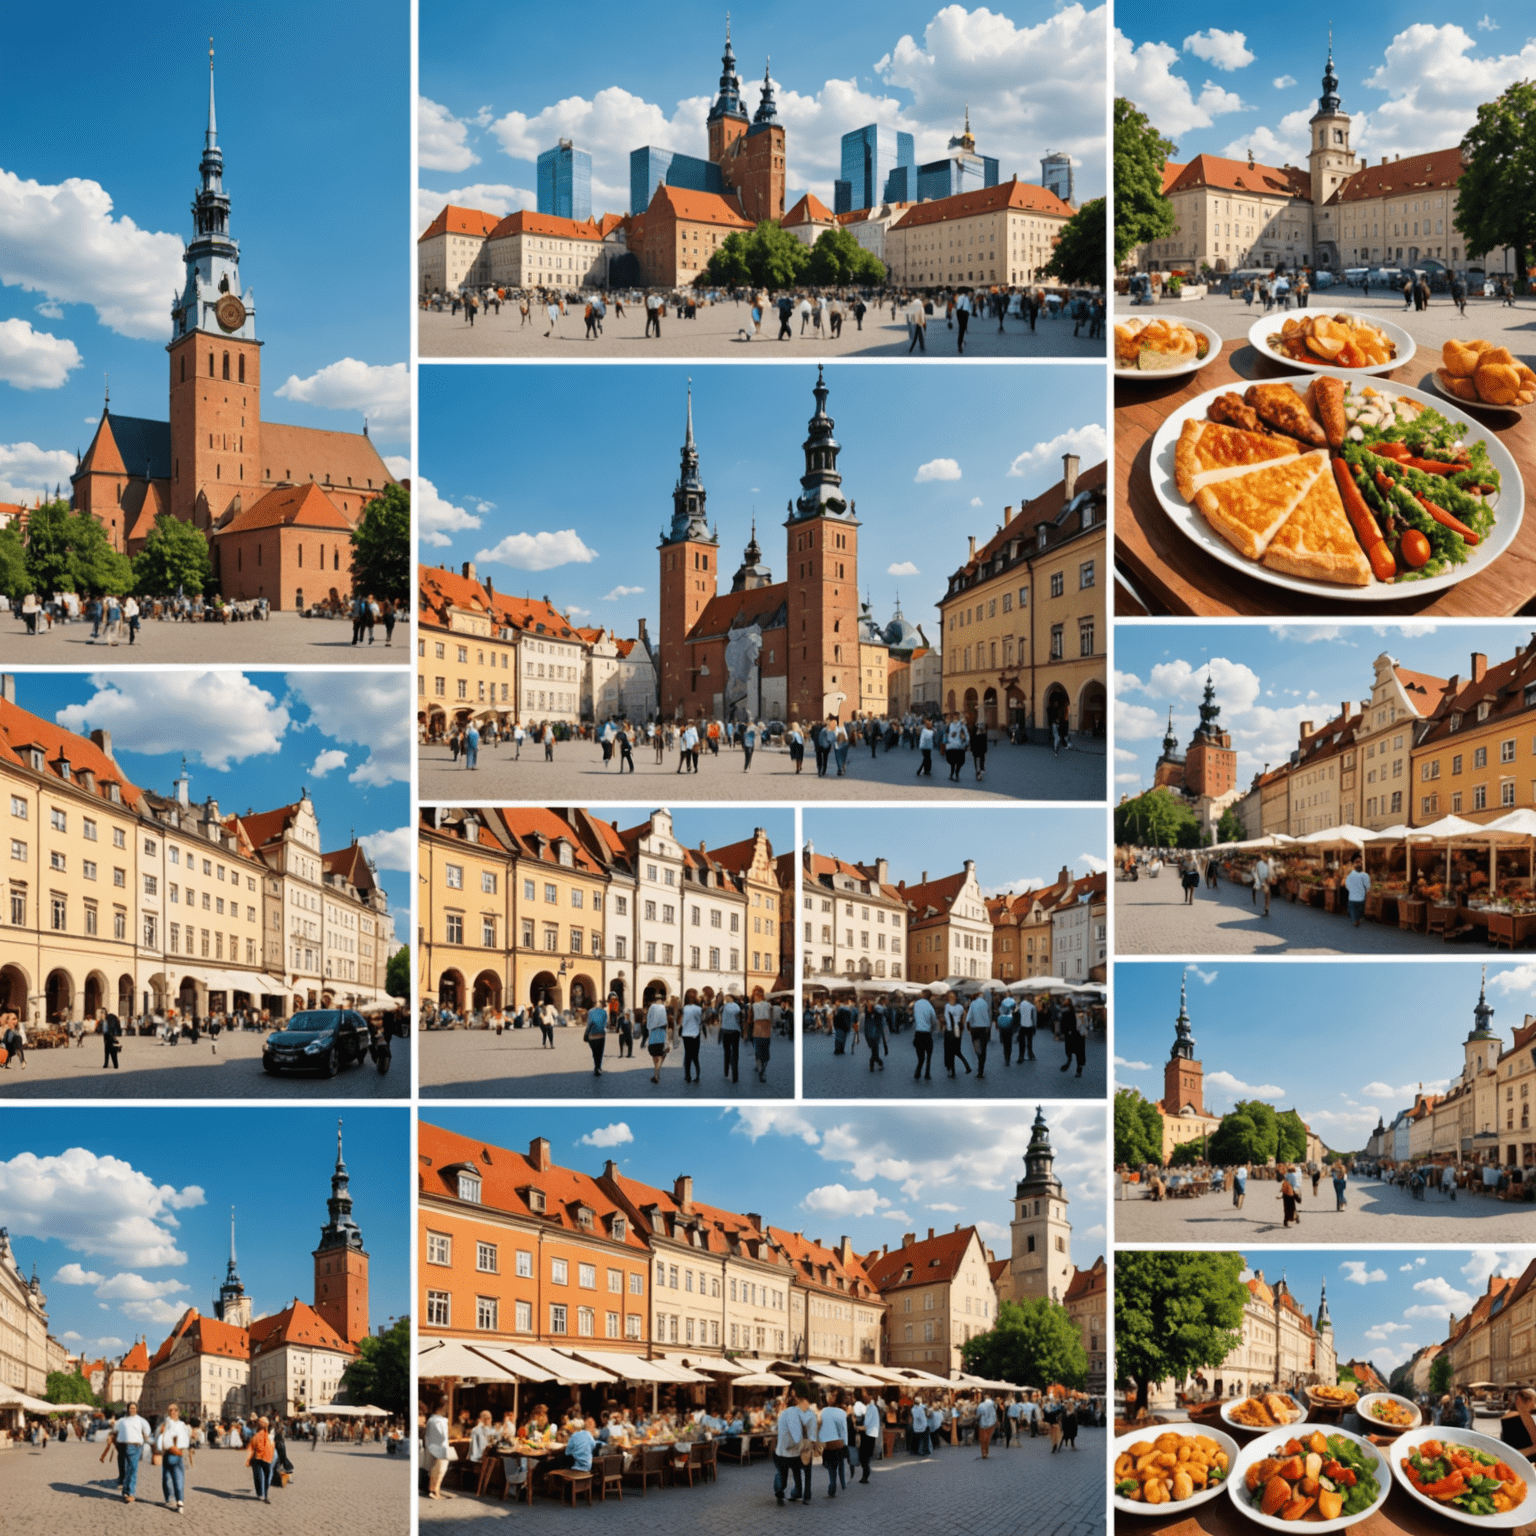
(173, 1449)
(792, 1449)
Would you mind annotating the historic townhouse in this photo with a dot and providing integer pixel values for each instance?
(1400, 701)
(1322, 780)
(854, 920)
(1022, 929)
(949, 931)
(463, 907)
(450, 251)
(714, 912)
(758, 875)
(1079, 931)
(658, 860)
(23, 1327)
(835, 1311)
(1005, 234)
(939, 1293)
(1086, 1297)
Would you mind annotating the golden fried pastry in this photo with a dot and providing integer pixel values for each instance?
(1284, 410)
(1497, 383)
(1460, 358)
(1463, 388)
(1248, 509)
(1316, 541)
(1325, 399)
(1496, 355)
(1208, 451)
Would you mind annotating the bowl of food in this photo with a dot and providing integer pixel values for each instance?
(1263, 1411)
(1317, 341)
(1470, 1478)
(1168, 347)
(1387, 1414)
(1332, 1397)
(1179, 1464)
(1323, 1479)
(1479, 373)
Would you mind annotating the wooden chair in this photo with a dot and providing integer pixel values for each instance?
(609, 1471)
(690, 1466)
(570, 1485)
(516, 1480)
(709, 1464)
(742, 1454)
(649, 1464)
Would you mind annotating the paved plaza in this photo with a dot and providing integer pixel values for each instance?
(226, 1068)
(336, 1491)
(276, 641)
(574, 777)
(1151, 919)
(716, 332)
(480, 1064)
(1376, 1213)
(826, 1075)
(952, 1493)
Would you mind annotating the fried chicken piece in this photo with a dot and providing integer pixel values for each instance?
(1230, 410)
(1326, 399)
(1284, 410)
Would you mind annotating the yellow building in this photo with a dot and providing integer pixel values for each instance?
(466, 654)
(757, 875)
(1002, 235)
(939, 1293)
(463, 908)
(1023, 620)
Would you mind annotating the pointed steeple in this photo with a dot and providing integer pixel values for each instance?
(1329, 100)
(1483, 1014)
(728, 102)
(1170, 741)
(821, 484)
(767, 110)
(1039, 1159)
(212, 141)
(1184, 1040)
(688, 495)
(1323, 1319)
(341, 1231)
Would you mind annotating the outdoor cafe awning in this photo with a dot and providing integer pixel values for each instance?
(715, 1365)
(558, 1366)
(914, 1377)
(347, 1411)
(12, 1397)
(451, 1357)
(760, 1379)
(842, 1376)
(637, 1368)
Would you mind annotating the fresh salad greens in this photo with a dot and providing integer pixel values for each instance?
(1461, 1475)
(1353, 1458)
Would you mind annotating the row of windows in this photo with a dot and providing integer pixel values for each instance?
(1431, 803)
(488, 1317)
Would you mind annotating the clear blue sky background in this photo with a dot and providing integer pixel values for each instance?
(314, 119)
(1410, 76)
(111, 1217)
(1269, 679)
(254, 740)
(749, 423)
(870, 1172)
(1015, 848)
(1019, 66)
(1242, 1011)
(718, 828)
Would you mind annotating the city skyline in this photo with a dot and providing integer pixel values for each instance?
(957, 452)
(127, 1231)
(95, 222)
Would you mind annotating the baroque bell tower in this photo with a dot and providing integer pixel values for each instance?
(1331, 162)
(1041, 1262)
(1183, 1076)
(233, 1306)
(728, 116)
(690, 568)
(215, 358)
(341, 1262)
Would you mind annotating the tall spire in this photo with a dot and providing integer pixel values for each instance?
(689, 498)
(211, 142)
(821, 484)
(767, 110)
(1483, 1014)
(689, 439)
(1039, 1158)
(1184, 1040)
(1329, 100)
(341, 1231)
(728, 102)
(1323, 1319)
(232, 1240)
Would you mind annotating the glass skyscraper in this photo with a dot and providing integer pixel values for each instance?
(872, 156)
(649, 167)
(565, 181)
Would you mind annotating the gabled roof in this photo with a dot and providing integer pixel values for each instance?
(298, 1323)
(1440, 169)
(932, 898)
(1086, 1282)
(934, 1259)
(810, 1257)
(137, 1358)
(20, 729)
(809, 210)
(1048, 507)
(129, 445)
(152, 503)
(263, 827)
(699, 207)
(526, 222)
(441, 589)
(739, 856)
(826, 867)
(767, 607)
(1256, 179)
(1022, 195)
(289, 506)
(1502, 687)
(720, 1230)
(1172, 170)
(454, 220)
(351, 863)
(534, 832)
(344, 463)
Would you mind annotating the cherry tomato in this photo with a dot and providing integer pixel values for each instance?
(1415, 549)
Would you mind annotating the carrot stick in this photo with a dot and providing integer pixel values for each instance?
(1363, 520)
(1432, 466)
(1444, 518)
(1397, 451)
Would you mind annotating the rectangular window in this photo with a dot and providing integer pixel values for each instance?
(485, 1313)
(485, 1259)
(524, 1264)
(437, 1309)
(455, 926)
(524, 1311)
(439, 1248)
(455, 876)
(559, 1272)
(586, 1276)
(557, 1319)
(1480, 757)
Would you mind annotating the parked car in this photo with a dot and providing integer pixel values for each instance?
(317, 1040)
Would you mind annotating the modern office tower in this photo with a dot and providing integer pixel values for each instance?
(872, 155)
(565, 181)
(1056, 175)
(650, 166)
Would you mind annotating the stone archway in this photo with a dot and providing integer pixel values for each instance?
(1092, 707)
(584, 991)
(58, 996)
(1058, 704)
(544, 988)
(95, 994)
(125, 995)
(655, 992)
(487, 993)
(989, 709)
(189, 997)
(972, 699)
(1018, 709)
(450, 991)
(14, 987)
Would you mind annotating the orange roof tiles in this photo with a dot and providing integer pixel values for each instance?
(1044, 508)
(440, 589)
(526, 222)
(531, 825)
(20, 729)
(289, 506)
(454, 220)
(1437, 170)
(1172, 170)
(344, 463)
(1502, 687)
(729, 610)
(1086, 1282)
(263, 827)
(1258, 180)
(811, 1257)
(698, 208)
(1022, 195)
(296, 1324)
(137, 1358)
(809, 210)
(717, 1224)
(933, 1259)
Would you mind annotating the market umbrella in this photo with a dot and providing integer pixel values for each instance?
(1346, 836)
(1449, 830)
(1504, 832)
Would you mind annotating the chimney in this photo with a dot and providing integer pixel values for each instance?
(970, 866)
(972, 538)
(924, 880)
(908, 1238)
(682, 1192)
(1069, 463)
(957, 1226)
(538, 1153)
(641, 630)
(8, 687)
(469, 570)
(1306, 727)
(882, 870)
(610, 1169)
(1345, 709)
(1065, 877)
(930, 1234)
(490, 587)
(754, 1221)
(1385, 161)
(1007, 516)
(1479, 666)
(102, 738)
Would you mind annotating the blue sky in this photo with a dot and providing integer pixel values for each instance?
(253, 740)
(133, 1209)
(1269, 679)
(1015, 849)
(494, 97)
(920, 449)
(314, 121)
(718, 828)
(871, 1172)
(1238, 1010)
(1411, 77)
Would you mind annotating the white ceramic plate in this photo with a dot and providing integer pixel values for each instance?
(1151, 1432)
(1253, 1429)
(1523, 1512)
(1508, 505)
(1481, 405)
(1257, 1450)
(1363, 1411)
(1139, 376)
(1271, 324)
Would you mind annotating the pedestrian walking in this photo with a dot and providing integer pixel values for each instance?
(1357, 886)
(924, 1022)
(730, 1037)
(762, 1035)
(597, 1035)
(1189, 878)
(111, 1033)
(656, 1030)
(1261, 878)
(173, 1444)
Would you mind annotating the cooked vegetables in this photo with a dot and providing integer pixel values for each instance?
(1323, 1477)
(1465, 1477)
(1169, 1469)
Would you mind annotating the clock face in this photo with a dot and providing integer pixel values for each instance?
(230, 312)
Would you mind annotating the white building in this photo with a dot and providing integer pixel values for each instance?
(714, 917)
(658, 860)
(853, 920)
(450, 252)
(869, 226)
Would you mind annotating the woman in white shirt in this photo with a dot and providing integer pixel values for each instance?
(174, 1444)
(692, 1031)
(438, 1452)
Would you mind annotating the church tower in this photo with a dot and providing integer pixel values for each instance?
(233, 1306)
(1210, 764)
(690, 568)
(1041, 1264)
(752, 573)
(1324, 1321)
(215, 396)
(341, 1263)
(1483, 1044)
(823, 577)
(728, 117)
(1183, 1076)
(1331, 162)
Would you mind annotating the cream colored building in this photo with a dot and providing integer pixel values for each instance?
(125, 1380)
(1322, 782)
(853, 920)
(715, 918)
(1001, 235)
(204, 1366)
(1086, 1306)
(450, 252)
(23, 1327)
(939, 1294)
(949, 932)
(1040, 1263)
(539, 250)
(835, 1312)
(871, 226)
(1400, 700)
(297, 1361)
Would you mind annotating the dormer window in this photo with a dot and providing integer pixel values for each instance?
(536, 1201)
(1087, 516)
(619, 1229)
(565, 855)
(469, 1187)
(36, 758)
(1456, 721)
(1482, 711)
(584, 1218)
(1040, 537)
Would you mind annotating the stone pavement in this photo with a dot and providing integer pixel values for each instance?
(716, 333)
(953, 1493)
(1376, 1213)
(229, 1068)
(474, 1063)
(337, 1491)
(285, 637)
(1151, 919)
(826, 1075)
(1020, 773)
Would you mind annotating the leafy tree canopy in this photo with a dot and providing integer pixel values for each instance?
(1033, 1344)
(13, 563)
(1138, 1129)
(1440, 1374)
(381, 1374)
(397, 974)
(1080, 257)
(1157, 819)
(838, 259)
(381, 546)
(69, 551)
(1230, 828)
(68, 1387)
(175, 556)
(1175, 1313)
(772, 258)
(1496, 196)
(1142, 212)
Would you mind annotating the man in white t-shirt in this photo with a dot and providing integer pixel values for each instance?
(129, 1437)
(1261, 878)
(1357, 885)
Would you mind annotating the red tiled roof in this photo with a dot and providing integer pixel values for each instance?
(718, 1224)
(938, 894)
(346, 464)
(440, 589)
(351, 863)
(819, 864)
(729, 610)
(1085, 1282)
(933, 1259)
(150, 507)
(738, 856)
(698, 208)
(1502, 686)
(289, 506)
(523, 822)
(263, 827)
(1044, 508)
(809, 1257)
(1238, 176)
(1437, 170)
(1023, 195)
(297, 1324)
(809, 210)
(1172, 170)
(527, 222)
(19, 729)
(454, 220)
(137, 1358)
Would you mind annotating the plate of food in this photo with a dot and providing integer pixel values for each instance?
(1332, 1397)
(1165, 347)
(1338, 486)
(1324, 1479)
(1179, 1464)
(1317, 341)
(1470, 1478)
(1480, 373)
(1264, 1410)
(1387, 1414)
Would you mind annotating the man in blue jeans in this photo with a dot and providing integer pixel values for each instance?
(796, 1423)
(1357, 885)
(129, 1437)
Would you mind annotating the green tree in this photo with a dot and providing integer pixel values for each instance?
(380, 1377)
(1156, 819)
(1033, 1344)
(1175, 1313)
(1080, 257)
(838, 259)
(1188, 1153)
(1230, 828)
(1291, 1135)
(381, 546)
(68, 1387)
(1238, 1140)
(397, 974)
(1138, 1130)
(1142, 212)
(728, 266)
(13, 563)
(1440, 1374)
(767, 258)
(175, 555)
(69, 552)
(1496, 196)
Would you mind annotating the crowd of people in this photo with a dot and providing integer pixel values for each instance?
(119, 620)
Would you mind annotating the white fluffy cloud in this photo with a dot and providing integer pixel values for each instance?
(616, 1134)
(442, 140)
(1206, 976)
(1384, 1331)
(397, 464)
(622, 591)
(1226, 50)
(1146, 76)
(380, 392)
(902, 568)
(328, 762)
(1357, 1272)
(365, 710)
(1241, 1090)
(99, 1206)
(73, 1274)
(839, 1200)
(27, 471)
(437, 517)
(498, 197)
(1090, 443)
(937, 469)
(754, 1121)
(1402, 1094)
(127, 1286)
(389, 850)
(541, 551)
(1438, 1288)
(62, 241)
(1287, 142)
(35, 359)
(1133, 1066)
(220, 717)
(1283, 82)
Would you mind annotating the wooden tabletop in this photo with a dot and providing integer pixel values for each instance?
(1177, 576)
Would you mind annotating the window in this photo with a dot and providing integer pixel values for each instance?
(488, 882)
(485, 1258)
(557, 1319)
(1480, 757)
(18, 807)
(455, 926)
(559, 1272)
(437, 1309)
(485, 1313)
(1506, 751)
(1058, 584)
(524, 1264)
(524, 1316)
(1085, 574)
(586, 1276)
(586, 1321)
(455, 876)
(58, 821)
(1056, 642)
(636, 1284)
(439, 1248)
(469, 1188)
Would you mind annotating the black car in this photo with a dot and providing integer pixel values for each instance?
(318, 1039)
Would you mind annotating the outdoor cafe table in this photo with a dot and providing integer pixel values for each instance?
(1177, 576)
